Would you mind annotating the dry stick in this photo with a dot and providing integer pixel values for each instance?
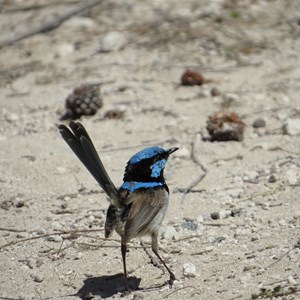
(201, 252)
(50, 24)
(183, 288)
(198, 163)
(11, 229)
(47, 235)
(279, 259)
(36, 6)
(109, 246)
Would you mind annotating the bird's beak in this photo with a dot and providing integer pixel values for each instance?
(171, 150)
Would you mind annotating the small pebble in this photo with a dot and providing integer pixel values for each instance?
(222, 214)
(274, 169)
(170, 233)
(56, 226)
(215, 92)
(189, 270)
(291, 280)
(37, 277)
(12, 117)
(292, 176)
(39, 262)
(64, 205)
(55, 239)
(61, 170)
(41, 231)
(272, 178)
(20, 204)
(23, 235)
(259, 123)
(79, 255)
(113, 41)
(292, 127)
(200, 219)
(282, 222)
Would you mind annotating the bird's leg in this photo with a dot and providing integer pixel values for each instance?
(124, 250)
(155, 250)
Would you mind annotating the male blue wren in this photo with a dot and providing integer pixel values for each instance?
(138, 207)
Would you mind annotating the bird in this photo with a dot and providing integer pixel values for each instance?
(137, 208)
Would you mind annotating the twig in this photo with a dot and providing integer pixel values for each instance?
(36, 6)
(272, 191)
(202, 252)
(182, 190)
(109, 246)
(238, 156)
(50, 24)
(268, 247)
(218, 224)
(183, 288)
(198, 163)
(282, 149)
(187, 238)
(11, 229)
(279, 259)
(47, 235)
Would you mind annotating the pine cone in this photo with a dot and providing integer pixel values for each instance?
(224, 126)
(84, 100)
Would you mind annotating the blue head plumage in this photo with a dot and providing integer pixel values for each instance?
(146, 154)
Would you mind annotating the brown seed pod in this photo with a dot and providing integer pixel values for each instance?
(190, 78)
(84, 100)
(223, 126)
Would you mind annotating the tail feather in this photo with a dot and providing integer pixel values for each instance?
(81, 144)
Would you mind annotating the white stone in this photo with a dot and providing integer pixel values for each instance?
(56, 239)
(274, 169)
(170, 233)
(56, 225)
(200, 219)
(91, 219)
(65, 49)
(61, 170)
(292, 176)
(189, 270)
(282, 222)
(292, 127)
(230, 97)
(291, 280)
(113, 41)
(79, 23)
(12, 117)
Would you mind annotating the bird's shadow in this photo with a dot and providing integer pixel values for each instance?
(106, 286)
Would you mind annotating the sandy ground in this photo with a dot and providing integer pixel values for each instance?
(235, 235)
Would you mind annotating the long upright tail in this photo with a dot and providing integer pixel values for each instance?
(79, 141)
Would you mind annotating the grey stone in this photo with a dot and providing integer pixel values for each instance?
(37, 277)
(259, 123)
(272, 178)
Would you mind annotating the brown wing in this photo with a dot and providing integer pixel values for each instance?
(146, 213)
